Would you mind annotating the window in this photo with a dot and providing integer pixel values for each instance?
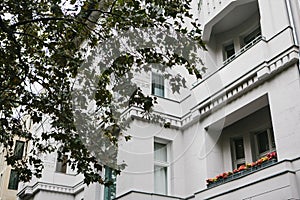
(61, 164)
(13, 180)
(228, 51)
(19, 149)
(158, 87)
(251, 36)
(160, 168)
(264, 142)
(238, 152)
(110, 189)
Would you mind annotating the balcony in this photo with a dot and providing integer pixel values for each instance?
(248, 67)
(223, 15)
(277, 181)
(242, 50)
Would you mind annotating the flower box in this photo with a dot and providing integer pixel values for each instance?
(243, 170)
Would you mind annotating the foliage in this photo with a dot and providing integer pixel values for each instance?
(41, 52)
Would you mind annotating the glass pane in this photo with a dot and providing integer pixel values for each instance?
(61, 165)
(13, 180)
(262, 142)
(251, 36)
(229, 50)
(239, 148)
(160, 180)
(160, 152)
(158, 79)
(19, 149)
(158, 90)
(157, 85)
(110, 190)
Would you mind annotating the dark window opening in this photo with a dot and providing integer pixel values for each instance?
(229, 50)
(262, 142)
(19, 149)
(265, 142)
(251, 36)
(238, 152)
(239, 148)
(13, 180)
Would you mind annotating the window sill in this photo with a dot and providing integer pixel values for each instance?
(242, 173)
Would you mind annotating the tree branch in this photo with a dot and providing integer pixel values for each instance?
(41, 19)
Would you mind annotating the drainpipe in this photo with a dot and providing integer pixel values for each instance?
(298, 44)
(292, 23)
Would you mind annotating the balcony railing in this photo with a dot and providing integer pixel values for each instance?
(242, 50)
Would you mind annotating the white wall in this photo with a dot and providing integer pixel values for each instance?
(137, 153)
(274, 17)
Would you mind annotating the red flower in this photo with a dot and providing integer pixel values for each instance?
(242, 167)
(225, 175)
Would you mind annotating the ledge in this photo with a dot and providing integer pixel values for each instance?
(55, 188)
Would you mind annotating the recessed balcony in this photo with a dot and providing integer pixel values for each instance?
(224, 15)
(272, 182)
(248, 62)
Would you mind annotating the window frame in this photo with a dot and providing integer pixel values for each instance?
(225, 52)
(162, 164)
(111, 175)
(270, 135)
(159, 86)
(241, 161)
(13, 181)
(19, 153)
(62, 165)
(254, 33)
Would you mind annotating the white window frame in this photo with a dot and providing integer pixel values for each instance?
(60, 164)
(225, 54)
(164, 85)
(163, 164)
(235, 161)
(271, 149)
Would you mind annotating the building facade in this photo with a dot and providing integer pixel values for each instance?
(8, 176)
(239, 123)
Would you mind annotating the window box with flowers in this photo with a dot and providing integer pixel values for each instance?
(243, 170)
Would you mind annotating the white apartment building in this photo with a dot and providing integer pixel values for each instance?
(246, 106)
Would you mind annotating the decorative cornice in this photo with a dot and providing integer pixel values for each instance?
(51, 187)
(248, 82)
